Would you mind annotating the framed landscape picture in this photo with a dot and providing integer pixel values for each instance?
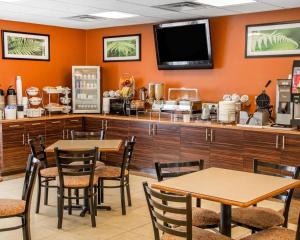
(274, 39)
(122, 48)
(25, 46)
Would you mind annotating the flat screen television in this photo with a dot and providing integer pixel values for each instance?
(183, 45)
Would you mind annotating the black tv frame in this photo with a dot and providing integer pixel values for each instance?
(204, 64)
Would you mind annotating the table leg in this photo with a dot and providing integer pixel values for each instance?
(225, 223)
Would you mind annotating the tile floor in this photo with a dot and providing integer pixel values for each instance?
(111, 225)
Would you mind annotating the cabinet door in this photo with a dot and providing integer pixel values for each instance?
(93, 124)
(14, 140)
(72, 124)
(194, 144)
(226, 149)
(34, 129)
(260, 145)
(166, 143)
(143, 149)
(54, 131)
(116, 129)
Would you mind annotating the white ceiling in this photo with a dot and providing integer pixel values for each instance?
(57, 12)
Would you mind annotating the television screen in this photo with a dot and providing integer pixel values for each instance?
(183, 45)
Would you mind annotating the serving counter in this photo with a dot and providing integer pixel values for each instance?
(158, 139)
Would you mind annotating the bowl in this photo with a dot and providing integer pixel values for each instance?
(65, 100)
(32, 91)
(35, 101)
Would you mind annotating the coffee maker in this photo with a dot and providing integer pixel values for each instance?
(295, 86)
(284, 105)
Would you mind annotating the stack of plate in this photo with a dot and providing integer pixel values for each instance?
(227, 111)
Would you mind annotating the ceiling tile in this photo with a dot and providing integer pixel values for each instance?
(252, 7)
(211, 12)
(282, 3)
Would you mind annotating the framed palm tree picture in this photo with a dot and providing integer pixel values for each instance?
(25, 46)
(122, 48)
(273, 40)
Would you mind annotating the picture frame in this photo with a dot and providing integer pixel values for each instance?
(122, 48)
(281, 39)
(25, 46)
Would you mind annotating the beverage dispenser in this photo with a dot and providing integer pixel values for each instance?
(296, 93)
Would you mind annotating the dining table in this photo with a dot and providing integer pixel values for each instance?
(106, 146)
(229, 188)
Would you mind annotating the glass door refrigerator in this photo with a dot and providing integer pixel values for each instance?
(86, 89)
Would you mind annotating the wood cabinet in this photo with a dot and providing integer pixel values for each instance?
(54, 131)
(92, 124)
(71, 124)
(115, 129)
(13, 147)
(144, 149)
(194, 144)
(260, 145)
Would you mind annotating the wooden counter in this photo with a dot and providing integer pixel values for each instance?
(224, 146)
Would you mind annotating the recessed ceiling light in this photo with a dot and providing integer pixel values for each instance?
(114, 15)
(222, 3)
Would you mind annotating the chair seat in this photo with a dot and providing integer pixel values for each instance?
(201, 217)
(78, 181)
(100, 165)
(109, 172)
(49, 172)
(257, 217)
(11, 207)
(198, 234)
(275, 233)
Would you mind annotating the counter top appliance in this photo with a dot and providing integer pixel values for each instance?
(284, 106)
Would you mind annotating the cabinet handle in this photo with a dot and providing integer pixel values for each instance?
(56, 122)
(23, 139)
(74, 120)
(149, 130)
(277, 141)
(283, 142)
(35, 124)
(28, 137)
(102, 123)
(63, 133)
(14, 126)
(206, 134)
(153, 129)
(211, 135)
(106, 124)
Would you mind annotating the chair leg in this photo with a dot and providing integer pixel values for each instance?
(102, 191)
(60, 208)
(198, 202)
(123, 199)
(38, 197)
(46, 193)
(26, 227)
(98, 192)
(128, 194)
(95, 200)
(76, 192)
(92, 207)
(70, 201)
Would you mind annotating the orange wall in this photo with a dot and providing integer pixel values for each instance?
(232, 72)
(67, 49)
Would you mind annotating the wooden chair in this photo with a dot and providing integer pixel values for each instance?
(259, 218)
(10, 208)
(120, 174)
(202, 218)
(79, 135)
(76, 176)
(162, 205)
(276, 233)
(46, 174)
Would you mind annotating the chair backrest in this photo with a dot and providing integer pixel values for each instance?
(31, 172)
(76, 163)
(127, 154)
(165, 170)
(279, 170)
(37, 147)
(159, 204)
(77, 135)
